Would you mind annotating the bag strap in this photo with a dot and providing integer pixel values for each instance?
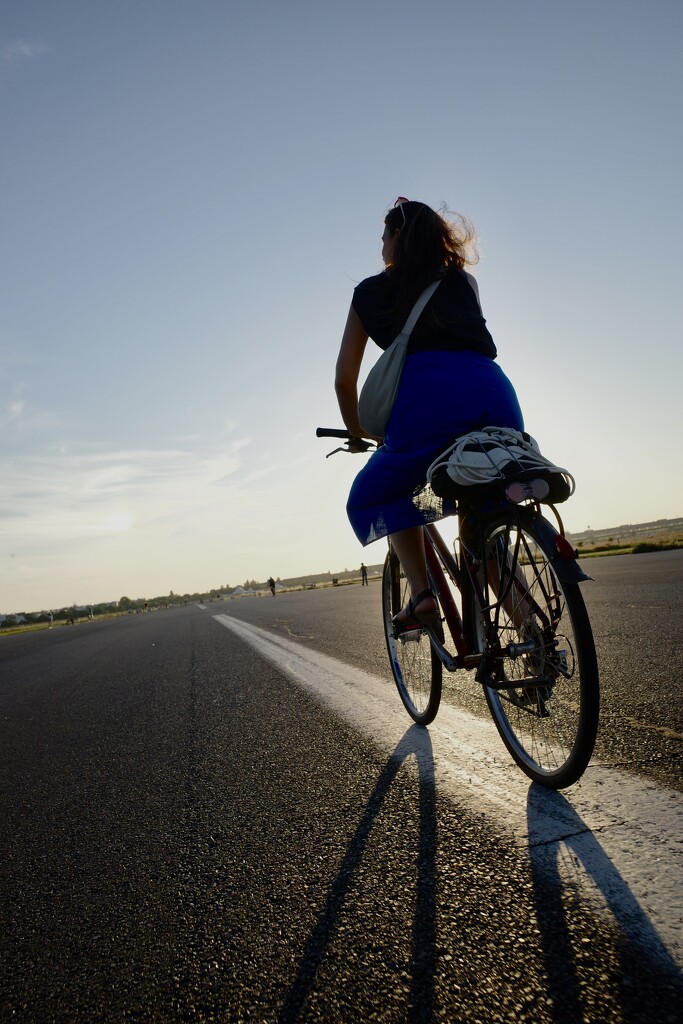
(419, 306)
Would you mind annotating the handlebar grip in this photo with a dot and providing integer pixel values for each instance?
(330, 432)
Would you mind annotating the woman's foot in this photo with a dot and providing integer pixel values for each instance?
(421, 610)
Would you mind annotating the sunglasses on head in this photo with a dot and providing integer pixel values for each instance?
(399, 202)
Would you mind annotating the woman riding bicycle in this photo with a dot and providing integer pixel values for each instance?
(450, 383)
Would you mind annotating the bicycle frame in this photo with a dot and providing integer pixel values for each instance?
(443, 563)
(464, 574)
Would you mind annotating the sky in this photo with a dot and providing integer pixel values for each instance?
(191, 189)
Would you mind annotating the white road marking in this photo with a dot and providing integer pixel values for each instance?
(615, 838)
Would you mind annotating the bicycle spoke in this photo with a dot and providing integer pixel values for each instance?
(416, 669)
(540, 644)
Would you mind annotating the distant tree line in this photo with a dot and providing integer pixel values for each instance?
(73, 613)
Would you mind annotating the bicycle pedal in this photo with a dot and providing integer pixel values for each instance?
(411, 636)
(525, 490)
(561, 661)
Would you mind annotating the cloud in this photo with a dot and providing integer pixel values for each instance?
(11, 412)
(85, 521)
(63, 495)
(21, 49)
(17, 411)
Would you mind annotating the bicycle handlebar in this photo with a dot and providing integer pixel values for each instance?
(331, 432)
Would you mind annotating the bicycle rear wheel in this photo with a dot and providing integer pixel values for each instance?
(539, 640)
(416, 668)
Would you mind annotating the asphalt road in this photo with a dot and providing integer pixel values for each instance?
(634, 602)
(188, 836)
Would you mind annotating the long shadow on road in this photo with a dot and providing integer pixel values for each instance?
(561, 858)
(416, 743)
(563, 852)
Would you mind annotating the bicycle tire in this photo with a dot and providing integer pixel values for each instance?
(416, 668)
(540, 634)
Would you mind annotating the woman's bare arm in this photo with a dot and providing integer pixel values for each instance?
(349, 360)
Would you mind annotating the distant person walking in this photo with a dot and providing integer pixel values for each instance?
(363, 575)
(271, 584)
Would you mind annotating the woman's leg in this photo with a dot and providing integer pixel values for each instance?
(409, 545)
(410, 548)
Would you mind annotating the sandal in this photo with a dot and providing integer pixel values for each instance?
(410, 618)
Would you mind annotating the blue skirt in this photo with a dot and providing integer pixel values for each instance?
(442, 394)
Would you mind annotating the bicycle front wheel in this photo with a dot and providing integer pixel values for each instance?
(416, 668)
(540, 657)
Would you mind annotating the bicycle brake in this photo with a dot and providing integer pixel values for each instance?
(353, 446)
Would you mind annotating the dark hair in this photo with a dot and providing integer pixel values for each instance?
(428, 245)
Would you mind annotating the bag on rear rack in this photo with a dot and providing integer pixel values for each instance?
(499, 461)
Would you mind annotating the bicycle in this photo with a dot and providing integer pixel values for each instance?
(521, 627)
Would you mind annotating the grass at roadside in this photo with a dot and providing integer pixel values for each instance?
(37, 627)
(631, 547)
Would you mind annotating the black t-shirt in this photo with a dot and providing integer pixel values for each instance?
(458, 323)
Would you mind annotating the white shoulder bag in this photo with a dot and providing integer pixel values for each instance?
(379, 392)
